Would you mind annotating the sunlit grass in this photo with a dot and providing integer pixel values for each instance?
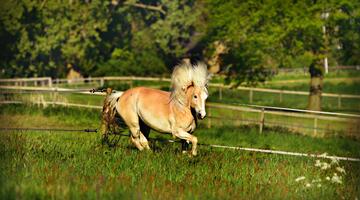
(42, 165)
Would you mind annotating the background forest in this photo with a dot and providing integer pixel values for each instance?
(243, 39)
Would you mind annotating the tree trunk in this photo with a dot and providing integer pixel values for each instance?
(316, 86)
(215, 60)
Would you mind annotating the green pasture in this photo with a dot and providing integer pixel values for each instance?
(282, 76)
(342, 82)
(72, 165)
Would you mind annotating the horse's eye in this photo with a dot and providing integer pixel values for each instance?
(195, 97)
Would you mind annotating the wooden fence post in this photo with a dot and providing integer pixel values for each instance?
(102, 82)
(281, 95)
(315, 126)
(49, 82)
(250, 96)
(262, 120)
(220, 92)
(339, 101)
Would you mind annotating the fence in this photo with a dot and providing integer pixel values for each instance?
(41, 81)
(305, 70)
(219, 92)
(47, 81)
(305, 122)
(313, 123)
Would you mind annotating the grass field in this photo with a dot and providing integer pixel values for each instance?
(68, 165)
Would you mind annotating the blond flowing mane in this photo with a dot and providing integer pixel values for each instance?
(185, 75)
(200, 75)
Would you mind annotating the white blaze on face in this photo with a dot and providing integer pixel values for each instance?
(204, 96)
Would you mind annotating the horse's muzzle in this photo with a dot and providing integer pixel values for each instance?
(200, 116)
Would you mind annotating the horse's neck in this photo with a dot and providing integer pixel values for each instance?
(183, 105)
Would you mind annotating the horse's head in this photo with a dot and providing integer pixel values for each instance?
(189, 86)
(197, 98)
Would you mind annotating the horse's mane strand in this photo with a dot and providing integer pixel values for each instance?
(200, 75)
(185, 75)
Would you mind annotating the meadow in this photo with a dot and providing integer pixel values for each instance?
(71, 165)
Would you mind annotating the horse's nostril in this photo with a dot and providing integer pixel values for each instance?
(200, 116)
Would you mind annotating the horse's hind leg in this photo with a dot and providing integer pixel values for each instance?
(131, 118)
(144, 134)
(138, 138)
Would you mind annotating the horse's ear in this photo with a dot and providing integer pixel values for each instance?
(186, 87)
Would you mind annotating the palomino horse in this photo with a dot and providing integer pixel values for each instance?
(144, 108)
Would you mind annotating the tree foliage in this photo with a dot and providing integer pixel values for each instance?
(270, 34)
(138, 37)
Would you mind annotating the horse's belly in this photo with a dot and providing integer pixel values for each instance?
(157, 123)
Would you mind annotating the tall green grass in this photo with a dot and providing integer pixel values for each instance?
(73, 165)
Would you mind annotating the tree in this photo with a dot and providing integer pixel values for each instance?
(266, 35)
(52, 34)
(93, 37)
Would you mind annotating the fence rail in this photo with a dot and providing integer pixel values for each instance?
(47, 81)
(132, 78)
(264, 115)
(250, 107)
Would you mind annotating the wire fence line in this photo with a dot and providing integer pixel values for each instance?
(88, 130)
(313, 129)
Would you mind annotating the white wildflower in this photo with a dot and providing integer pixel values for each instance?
(319, 185)
(328, 178)
(308, 185)
(317, 163)
(325, 166)
(322, 165)
(336, 179)
(316, 180)
(323, 155)
(334, 160)
(300, 178)
(341, 170)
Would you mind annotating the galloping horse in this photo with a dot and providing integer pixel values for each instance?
(143, 108)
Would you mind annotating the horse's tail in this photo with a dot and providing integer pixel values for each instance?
(109, 109)
(111, 100)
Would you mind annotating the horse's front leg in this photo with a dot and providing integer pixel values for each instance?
(184, 146)
(187, 136)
